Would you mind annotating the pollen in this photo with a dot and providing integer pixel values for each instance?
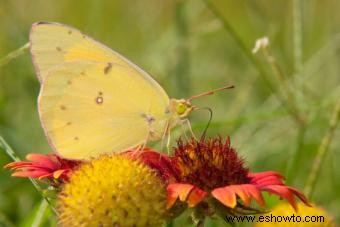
(112, 191)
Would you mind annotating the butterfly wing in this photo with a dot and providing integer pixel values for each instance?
(87, 111)
(52, 44)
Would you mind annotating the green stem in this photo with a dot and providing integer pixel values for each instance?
(14, 54)
(322, 152)
(10, 152)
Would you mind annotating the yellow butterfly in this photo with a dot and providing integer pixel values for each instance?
(92, 99)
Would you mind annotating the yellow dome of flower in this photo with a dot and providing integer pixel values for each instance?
(305, 217)
(112, 191)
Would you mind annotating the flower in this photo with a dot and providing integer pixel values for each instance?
(40, 166)
(315, 216)
(112, 191)
(212, 176)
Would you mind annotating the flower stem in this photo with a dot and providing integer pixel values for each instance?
(10, 152)
(169, 223)
(200, 223)
(322, 151)
(14, 54)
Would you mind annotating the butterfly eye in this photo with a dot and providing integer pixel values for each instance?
(181, 108)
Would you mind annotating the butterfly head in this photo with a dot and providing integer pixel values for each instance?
(180, 107)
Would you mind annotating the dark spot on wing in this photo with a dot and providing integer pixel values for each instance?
(69, 82)
(69, 32)
(58, 49)
(82, 73)
(99, 100)
(76, 138)
(62, 107)
(108, 68)
(68, 123)
(100, 93)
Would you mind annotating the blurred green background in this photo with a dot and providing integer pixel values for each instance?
(276, 118)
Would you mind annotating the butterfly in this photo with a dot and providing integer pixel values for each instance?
(92, 99)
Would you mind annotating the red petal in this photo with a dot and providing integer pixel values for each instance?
(17, 165)
(269, 180)
(33, 174)
(225, 195)
(176, 191)
(264, 174)
(284, 192)
(300, 195)
(46, 161)
(255, 193)
(196, 196)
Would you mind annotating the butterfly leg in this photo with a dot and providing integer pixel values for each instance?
(184, 130)
(187, 122)
(168, 141)
(165, 135)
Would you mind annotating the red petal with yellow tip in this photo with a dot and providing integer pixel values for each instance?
(196, 196)
(228, 195)
(176, 191)
(43, 166)
(225, 195)
(255, 193)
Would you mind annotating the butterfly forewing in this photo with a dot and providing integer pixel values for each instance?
(86, 111)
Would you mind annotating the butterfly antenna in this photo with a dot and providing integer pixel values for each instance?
(210, 118)
(210, 92)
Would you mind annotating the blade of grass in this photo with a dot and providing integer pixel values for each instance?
(322, 152)
(297, 34)
(182, 68)
(14, 54)
(40, 213)
(227, 26)
(10, 152)
(287, 92)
